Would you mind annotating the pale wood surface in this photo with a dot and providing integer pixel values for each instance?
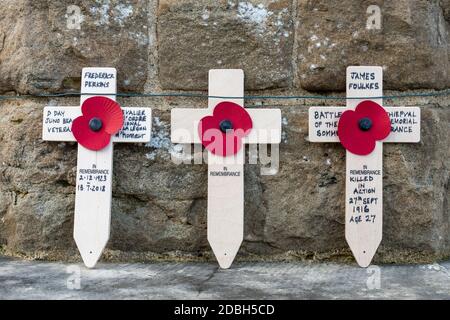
(364, 238)
(364, 190)
(225, 194)
(226, 208)
(364, 233)
(93, 208)
(405, 124)
(61, 131)
(226, 174)
(94, 168)
(266, 125)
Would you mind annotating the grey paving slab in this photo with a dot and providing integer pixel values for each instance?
(48, 280)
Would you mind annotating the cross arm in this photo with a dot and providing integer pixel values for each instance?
(405, 122)
(57, 124)
(266, 125)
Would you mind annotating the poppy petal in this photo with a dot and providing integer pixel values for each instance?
(205, 127)
(352, 137)
(216, 141)
(86, 137)
(221, 143)
(239, 117)
(381, 123)
(107, 110)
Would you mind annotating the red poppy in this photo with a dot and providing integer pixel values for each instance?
(101, 119)
(222, 132)
(359, 130)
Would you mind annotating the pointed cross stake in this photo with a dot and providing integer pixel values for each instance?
(364, 174)
(226, 174)
(94, 168)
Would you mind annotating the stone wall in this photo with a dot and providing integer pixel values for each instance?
(286, 47)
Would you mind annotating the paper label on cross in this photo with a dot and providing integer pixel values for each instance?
(226, 174)
(364, 174)
(94, 168)
(405, 121)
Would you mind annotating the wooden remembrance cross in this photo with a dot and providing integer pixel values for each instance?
(226, 191)
(364, 174)
(94, 168)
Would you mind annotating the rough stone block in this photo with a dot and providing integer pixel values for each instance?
(195, 36)
(412, 45)
(45, 44)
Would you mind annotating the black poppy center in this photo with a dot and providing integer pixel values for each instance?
(226, 125)
(95, 124)
(365, 124)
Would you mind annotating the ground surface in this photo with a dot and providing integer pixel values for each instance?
(43, 280)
